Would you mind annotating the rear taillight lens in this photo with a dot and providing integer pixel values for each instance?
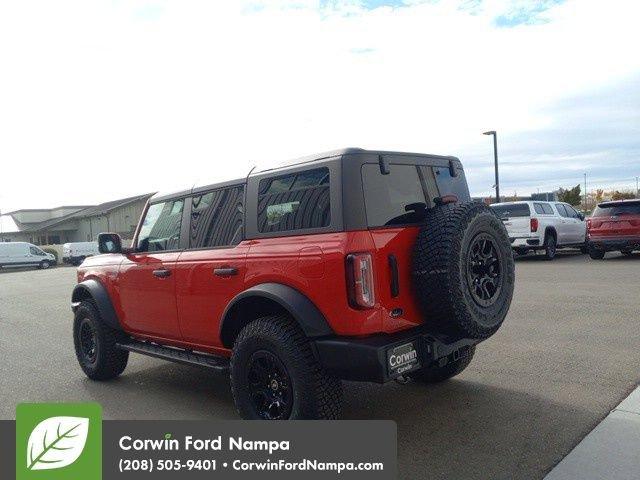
(588, 223)
(534, 225)
(360, 280)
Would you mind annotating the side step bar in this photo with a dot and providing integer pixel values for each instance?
(176, 355)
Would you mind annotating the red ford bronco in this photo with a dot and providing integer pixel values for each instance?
(349, 265)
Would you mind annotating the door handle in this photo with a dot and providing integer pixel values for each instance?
(225, 272)
(161, 273)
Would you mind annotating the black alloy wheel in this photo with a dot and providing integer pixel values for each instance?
(88, 341)
(269, 386)
(484, 270)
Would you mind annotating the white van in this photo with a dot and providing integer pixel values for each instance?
(23, 254)
(75, 253)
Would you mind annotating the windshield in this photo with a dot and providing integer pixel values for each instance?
(617, 209)
(511, 210)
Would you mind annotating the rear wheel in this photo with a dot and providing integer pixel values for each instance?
(95, 344)
(275, 375)
(596, 254)
(550, 247)
(437, 374)
(627, 252)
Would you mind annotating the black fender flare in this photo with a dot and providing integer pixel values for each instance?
(94, 290)
(304, 311)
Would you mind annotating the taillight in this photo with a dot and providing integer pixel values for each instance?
(589, 223)
(360, 280)
(534, 225)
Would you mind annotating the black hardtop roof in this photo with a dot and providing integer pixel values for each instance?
(308, 159)
(347, 151)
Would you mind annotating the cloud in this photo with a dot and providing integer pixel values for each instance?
(110, 99)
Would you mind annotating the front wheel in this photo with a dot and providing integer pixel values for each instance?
(440, 374)
(275, 376)
(45, 264)
(628, 253)
(96, 344)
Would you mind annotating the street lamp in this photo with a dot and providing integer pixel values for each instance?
(495, 157)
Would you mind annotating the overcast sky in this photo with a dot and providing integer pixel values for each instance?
(101, 100)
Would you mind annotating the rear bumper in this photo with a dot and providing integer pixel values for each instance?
(384, 357)
(526, 242)
(614, 243)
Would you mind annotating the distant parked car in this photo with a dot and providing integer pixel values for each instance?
(614, 226)
(545, 226)
(75, 253)
(23, 254)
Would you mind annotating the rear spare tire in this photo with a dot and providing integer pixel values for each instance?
(463, 270)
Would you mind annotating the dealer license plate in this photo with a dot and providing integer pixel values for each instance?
(402, 359)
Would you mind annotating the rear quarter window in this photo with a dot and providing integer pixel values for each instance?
(297, 201)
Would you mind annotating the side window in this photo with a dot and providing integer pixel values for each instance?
(36, 251)
(161, 227)
(538, 208)
(294, 202)
(394, 199)
(546, 208)
(216, 218)
(572, 212)
(562, 210)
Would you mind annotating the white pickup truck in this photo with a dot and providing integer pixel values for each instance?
(546, 226)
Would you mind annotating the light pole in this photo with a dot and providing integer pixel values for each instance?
(585, 192)
(637, 188)
(495, 157)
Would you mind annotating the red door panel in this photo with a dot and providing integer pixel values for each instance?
(148, 300)
(202, 294)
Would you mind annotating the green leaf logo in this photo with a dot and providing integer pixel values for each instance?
(57, 442)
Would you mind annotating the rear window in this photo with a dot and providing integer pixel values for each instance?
(512, 210)
(394, 199)
(294, 202)
(617, 209)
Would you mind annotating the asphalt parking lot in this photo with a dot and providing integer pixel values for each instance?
(567, 354)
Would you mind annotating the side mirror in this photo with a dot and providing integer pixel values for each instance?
(581, 216)
(109, 243)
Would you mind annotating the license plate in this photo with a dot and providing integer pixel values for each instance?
(402, 359)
